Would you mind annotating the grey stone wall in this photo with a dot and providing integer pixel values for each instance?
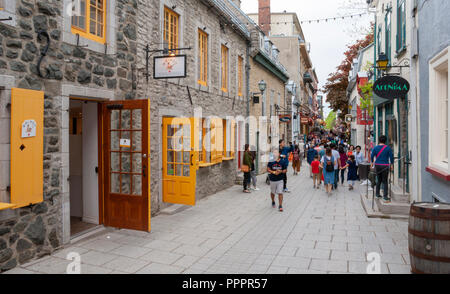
(172, 95)
(28, 233)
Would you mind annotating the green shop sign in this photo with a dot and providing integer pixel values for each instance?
(391, 87)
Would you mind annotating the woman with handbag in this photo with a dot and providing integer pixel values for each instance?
(246, 168)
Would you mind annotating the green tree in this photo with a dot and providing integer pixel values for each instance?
(331, 120)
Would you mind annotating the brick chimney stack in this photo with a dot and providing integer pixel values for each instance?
(264, 16)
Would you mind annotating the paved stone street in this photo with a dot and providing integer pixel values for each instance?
(232, 232)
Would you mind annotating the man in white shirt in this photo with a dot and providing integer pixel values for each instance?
(337, 164)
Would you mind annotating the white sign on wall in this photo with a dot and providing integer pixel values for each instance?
(169, 67)
(125, 143)
(29, 128)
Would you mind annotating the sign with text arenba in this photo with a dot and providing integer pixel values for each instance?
(391, 87)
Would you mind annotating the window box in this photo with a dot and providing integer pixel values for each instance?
(438, 173)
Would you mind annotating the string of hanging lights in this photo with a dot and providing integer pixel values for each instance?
(335, 18)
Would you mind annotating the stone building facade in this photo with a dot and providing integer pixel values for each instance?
(74, 67)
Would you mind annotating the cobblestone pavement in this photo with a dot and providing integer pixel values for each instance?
(232, 232)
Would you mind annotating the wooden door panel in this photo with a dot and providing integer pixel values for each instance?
(126, 164)
(179, 161)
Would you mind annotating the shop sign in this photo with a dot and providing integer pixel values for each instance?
(304, 120)
(169, 67)
(285, 118)
(391, 87)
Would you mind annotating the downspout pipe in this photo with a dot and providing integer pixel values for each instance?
(247, 85)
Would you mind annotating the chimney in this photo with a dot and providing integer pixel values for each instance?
(264, 16)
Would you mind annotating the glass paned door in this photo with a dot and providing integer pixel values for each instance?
(126, 160)
(179, 161)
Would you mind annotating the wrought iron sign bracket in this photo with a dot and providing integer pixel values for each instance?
(6, 19)
(149, 53)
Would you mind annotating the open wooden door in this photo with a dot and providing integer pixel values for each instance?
(126, 164)
(179, 160)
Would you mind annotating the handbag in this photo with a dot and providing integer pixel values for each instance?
(245, 168)
(291, 157)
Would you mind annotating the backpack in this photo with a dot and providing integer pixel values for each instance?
(330, 165)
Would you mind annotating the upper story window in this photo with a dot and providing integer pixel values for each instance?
(401, 25)
(388, 30)
(90, 19)
(202, 58)
(439, 111)
(171, 28)
(224, 67)
(240, 75)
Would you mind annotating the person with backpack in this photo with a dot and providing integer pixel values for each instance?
(384, 160)
(328, 162)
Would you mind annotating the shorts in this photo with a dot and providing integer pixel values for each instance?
(276, 187)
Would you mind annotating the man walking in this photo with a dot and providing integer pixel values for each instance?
(359, 157)
(276, 170)
(284, 155)
(383, 162)
(337, 165)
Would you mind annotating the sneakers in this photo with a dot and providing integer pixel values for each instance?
(386, 200)
(256, 189)
(273, 204)
(280, 208)
(286, 191)
(378, 196)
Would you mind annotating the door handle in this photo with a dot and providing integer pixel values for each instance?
(192, 156)
(144, 168)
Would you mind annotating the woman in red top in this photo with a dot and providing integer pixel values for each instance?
(316, 172)
(343, 158)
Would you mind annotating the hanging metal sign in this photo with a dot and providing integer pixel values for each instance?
(285, 118)
(169, 67)
(391, 87)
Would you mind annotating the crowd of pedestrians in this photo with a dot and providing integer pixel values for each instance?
(330, 158)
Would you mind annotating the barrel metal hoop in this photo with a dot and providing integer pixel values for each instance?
(427, 235)
(429, 257)
(431, 217)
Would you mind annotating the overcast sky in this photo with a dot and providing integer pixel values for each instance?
(328, 39)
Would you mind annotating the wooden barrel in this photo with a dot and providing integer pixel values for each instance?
(429, 238)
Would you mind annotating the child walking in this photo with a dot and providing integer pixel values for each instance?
(352, 176)
(316, 172)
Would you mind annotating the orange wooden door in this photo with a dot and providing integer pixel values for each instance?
(126, 164)
(179, 160)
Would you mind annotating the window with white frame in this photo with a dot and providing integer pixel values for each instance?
(439, 109)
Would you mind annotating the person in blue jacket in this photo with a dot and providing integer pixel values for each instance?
(384, 160)
(312, 153)
(284, 154)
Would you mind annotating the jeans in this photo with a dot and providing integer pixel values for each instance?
(253, 177)
(246, 180)
(382, 179)
(336, 178)
(342, 176)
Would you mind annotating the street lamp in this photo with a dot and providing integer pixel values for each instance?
(382, 61)
(262, 87)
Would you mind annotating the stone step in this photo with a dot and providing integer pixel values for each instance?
(398, 196)
(393, 207)
(375, 211)
(174, 209)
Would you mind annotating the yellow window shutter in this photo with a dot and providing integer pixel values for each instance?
(219, 139)
(27, 146)
(213, 141)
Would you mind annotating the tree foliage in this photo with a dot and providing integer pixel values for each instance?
(331, 120)
(337, 83)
